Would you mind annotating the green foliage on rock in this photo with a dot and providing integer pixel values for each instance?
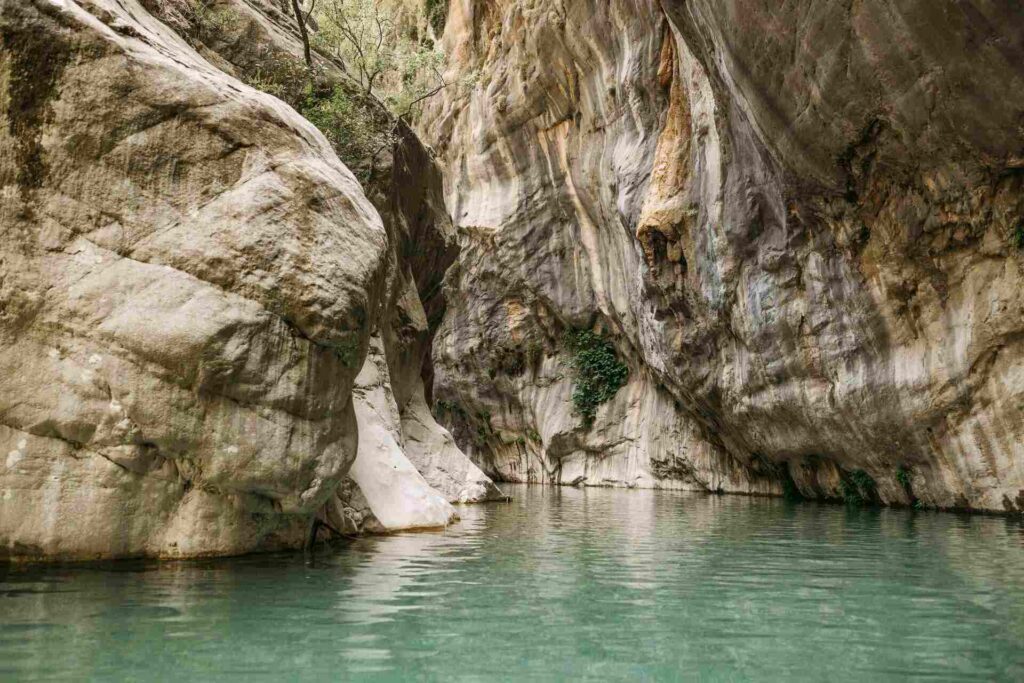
(903, 477)
(437, 14)
(348, 352)
(212, 21)
(279, 74)
(1017, 236)
(858, 488)
(599, 372)
(356, 127)
(449, 412)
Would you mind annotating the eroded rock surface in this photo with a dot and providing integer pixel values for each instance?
(188, 272)
(189, 281)
(797, 225)
(260, 44)
(795, 222)
(394, 492)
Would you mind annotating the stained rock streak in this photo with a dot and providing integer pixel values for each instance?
(795, 222)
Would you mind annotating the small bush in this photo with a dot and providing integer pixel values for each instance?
(211, 22)
(449, 411)
(534, 351)
(858, 488)
(437, 15)
(352, 124)
(903, 477)
(281, 75)
(484, 430)
(599, 373)
(1017, 236)
(348, 352)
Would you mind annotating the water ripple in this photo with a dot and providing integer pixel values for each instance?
(561, 583)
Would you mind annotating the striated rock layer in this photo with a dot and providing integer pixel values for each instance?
(800, 225)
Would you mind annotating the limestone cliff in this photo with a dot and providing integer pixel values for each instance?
(189, 283)
(800, 225)
(796, 231)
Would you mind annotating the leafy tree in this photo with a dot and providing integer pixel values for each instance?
(383, 46)
(357, 129)
(383, 49)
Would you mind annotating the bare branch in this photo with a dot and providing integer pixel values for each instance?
(425, 96)
(300, 20)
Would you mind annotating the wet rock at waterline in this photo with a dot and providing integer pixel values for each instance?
(187, 274)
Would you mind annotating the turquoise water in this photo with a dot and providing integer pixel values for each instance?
(561, 583)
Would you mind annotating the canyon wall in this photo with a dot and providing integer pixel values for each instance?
(800, 225)
(800, 228)
(209, 335)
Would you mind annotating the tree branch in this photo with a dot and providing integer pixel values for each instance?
(303, 33)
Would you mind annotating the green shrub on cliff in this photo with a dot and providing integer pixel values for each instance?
(858, 488)
(599, 373)
(1017, 236)
(437, 14)
(356, 127)
(903, 477)
(211, 22)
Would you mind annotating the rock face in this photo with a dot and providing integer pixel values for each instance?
(425, 250)
(187, 275)
(260, 42)
(389, 492)
(799, 225)
(189, 283)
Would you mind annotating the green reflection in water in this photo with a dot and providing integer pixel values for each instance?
(560, 583)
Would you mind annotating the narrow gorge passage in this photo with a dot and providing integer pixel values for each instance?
(725, 293)
(630, 243)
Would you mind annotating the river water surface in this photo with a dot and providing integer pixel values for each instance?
(560, 583)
